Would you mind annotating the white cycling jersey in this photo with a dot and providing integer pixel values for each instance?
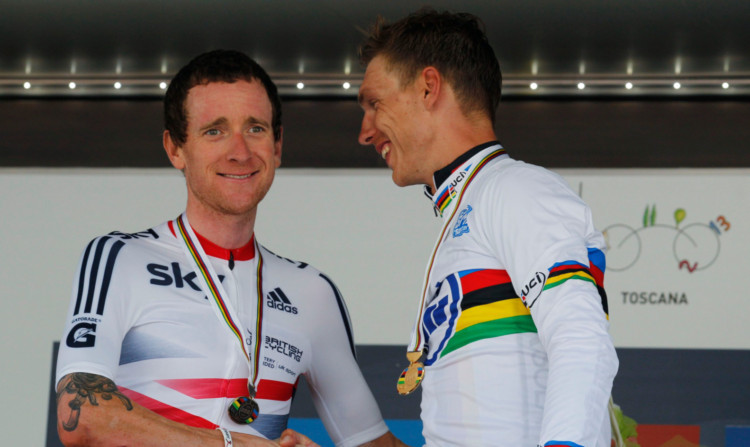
(515, 323)
(139, 316)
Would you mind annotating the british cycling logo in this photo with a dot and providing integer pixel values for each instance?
(462, 225)
(283, 347)
(695, 246)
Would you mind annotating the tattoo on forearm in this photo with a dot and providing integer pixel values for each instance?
(86, 387)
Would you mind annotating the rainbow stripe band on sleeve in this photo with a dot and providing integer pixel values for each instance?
(490, 308)
(562, 444)
(593, 273)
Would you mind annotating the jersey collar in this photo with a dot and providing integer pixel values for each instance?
(449, 180)
(244, 253)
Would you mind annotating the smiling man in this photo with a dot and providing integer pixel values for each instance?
(511, 340)
(174, 335)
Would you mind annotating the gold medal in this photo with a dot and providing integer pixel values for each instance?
(412, 375)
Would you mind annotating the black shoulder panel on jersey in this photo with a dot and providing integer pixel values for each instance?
(90, 285)
(344, 313)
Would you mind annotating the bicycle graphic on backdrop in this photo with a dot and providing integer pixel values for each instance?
(695, 246)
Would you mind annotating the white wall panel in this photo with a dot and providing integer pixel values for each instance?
(373, 239)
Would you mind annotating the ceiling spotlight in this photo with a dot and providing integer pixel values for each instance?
(725, 85)
(27, 85)
(533, 86)
(346, 85)
(118, 85)
(163, 85)
(677, 85)
(581, 86)
(72, 85)
(629, 85)
(300, 85)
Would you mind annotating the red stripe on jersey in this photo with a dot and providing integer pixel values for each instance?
(597, 274)
(208, 388)
(274, 390)
(570, 265)
(483, 278)
(232, 388)
(168, 411)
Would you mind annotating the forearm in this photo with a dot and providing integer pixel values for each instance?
(92, 411)
(387, 440)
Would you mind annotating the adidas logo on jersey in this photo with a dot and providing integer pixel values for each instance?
(276, 299)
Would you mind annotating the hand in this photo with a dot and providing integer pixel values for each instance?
(290, 438)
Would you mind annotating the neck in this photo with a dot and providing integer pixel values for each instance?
(226, 231)
(459, 140)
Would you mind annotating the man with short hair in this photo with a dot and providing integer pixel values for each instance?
(191, 332)
(511, 339)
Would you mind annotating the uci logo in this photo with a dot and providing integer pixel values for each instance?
(533, 289)
(83, 335)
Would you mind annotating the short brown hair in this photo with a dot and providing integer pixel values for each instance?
(215, 66)
(454, 43)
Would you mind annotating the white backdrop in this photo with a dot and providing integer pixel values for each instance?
(678, 259)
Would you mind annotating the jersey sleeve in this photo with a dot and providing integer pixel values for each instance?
(544, 233)
(96, 321)
(340, 394)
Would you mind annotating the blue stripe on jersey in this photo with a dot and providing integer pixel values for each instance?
(271, 425)
(344, 314)
(138, 345)
(434, 316)
(561, 444)
(446, 312)
(463, 273)
(597, 258)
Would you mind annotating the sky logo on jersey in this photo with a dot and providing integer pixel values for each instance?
(462, 224)
(277, 299)
(163, 275)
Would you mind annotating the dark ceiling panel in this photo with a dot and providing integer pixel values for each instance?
(323, 134)
(301, 38)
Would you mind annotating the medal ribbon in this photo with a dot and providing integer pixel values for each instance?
(417, 338)
(213, 288)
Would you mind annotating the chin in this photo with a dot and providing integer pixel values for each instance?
(400, 181)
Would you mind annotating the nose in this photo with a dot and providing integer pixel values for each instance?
(367, 132)
(240, 148)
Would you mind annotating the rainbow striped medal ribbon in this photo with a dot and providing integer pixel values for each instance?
(411, 377)
(244, 409)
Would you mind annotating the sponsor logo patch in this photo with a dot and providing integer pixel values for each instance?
(277, 299)
(82, 335)
(283, 347)
(533, 289)
(462, 224)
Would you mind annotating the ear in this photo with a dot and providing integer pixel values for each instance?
(431, 84)
(173, 151)
(277, 147)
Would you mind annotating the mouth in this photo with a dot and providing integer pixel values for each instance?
(238, 176)
(384, 148)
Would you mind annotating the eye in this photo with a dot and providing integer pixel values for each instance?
(257, 129)
(212, 132)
